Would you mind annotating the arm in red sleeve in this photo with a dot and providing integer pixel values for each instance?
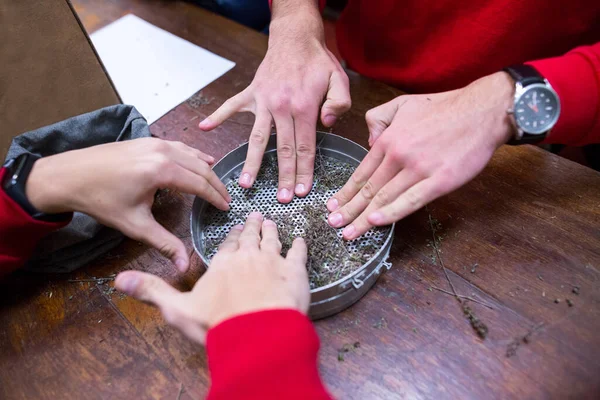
(19, 232)
(576, 78)
(265, 355)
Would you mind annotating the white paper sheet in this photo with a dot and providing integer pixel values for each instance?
(153, 69)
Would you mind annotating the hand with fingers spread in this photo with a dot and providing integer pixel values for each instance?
(116, 184)
(247, 274)
(296, 75)
(423, 147)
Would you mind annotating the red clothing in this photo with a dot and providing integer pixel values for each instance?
(19, 232)
(264, 355)
(437, 45)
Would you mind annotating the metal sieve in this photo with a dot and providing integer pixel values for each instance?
(208, 224)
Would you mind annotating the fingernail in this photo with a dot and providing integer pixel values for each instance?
(246, 179)
(255, 214)
(268, 222)
(205, 123)
(376, 218)
(210, 159)
(300, 188)
(329, 120)
(181, 264)
(128, 284)
(332, 204)
(335, 219)
(348, 231)
(239, 227)
(284, 194)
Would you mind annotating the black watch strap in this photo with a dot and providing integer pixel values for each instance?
(526, 139)
(13, 184)
(524, 74)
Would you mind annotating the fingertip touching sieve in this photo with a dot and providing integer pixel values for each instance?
(336, 155)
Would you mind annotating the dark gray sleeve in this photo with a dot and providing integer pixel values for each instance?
(110, 124)
(84, 239)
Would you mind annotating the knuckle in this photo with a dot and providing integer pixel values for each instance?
(167, 250)
(159, 146)
(171, 316)
(305, 150)
(383, 197)
(420, 169)
(300, 106)
(280, 104)
(339, 104)
(356, 180)
(371, 116)
(286, 151)
(258, 137)
(368, 191)
(413, 200)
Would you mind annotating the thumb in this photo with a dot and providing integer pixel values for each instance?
(379, 118)
(338, 98)
(155, 235)
(146, 287)
(174, 305)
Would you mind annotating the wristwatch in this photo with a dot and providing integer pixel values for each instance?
(536, 105)
(13, 184)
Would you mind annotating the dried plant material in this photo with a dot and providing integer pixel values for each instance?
(514, 345)
(330, 258)
(479, 327)
(570, 303)
(347, 348)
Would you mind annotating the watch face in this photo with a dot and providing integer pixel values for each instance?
(537, 109)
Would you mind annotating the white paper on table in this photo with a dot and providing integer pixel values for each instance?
(153, 69)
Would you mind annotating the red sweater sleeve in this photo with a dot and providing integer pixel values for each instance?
(19, 232)
(576, 78)
(265, 355)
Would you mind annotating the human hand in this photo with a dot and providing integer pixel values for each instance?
(423, 147)
(297, 73)
(247, 274)
(116, 183)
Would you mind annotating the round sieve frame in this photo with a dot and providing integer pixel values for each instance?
(336, 296)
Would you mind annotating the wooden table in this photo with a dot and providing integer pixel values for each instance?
(521, 235)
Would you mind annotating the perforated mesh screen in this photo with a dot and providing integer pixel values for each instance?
(262, 197)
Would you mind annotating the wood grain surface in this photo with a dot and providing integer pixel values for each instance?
(522, 234)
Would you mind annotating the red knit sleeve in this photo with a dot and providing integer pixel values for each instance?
(19, 232)
(265, 355)
(576, 78)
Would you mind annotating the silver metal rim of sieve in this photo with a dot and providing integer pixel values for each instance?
(343, 150)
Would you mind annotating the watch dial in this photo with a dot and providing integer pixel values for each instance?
(537, 110)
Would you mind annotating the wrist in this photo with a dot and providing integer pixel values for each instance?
(494, 95)
(296, 26)
(44, 191)
(283, 8)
